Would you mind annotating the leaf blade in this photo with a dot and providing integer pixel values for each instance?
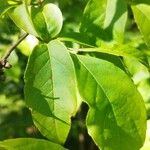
(51, 77)
(112, 120)
(25, 23)
(30, 144)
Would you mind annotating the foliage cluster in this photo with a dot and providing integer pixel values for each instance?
(101, 59)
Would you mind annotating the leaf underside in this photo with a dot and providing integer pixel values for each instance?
(50, 90)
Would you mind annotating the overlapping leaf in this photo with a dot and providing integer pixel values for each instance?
(117, 117)
(47, 21)
(50, 90)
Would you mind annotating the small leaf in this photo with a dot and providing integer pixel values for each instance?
(43, 22)
(53, 18)
(117, 116)
(50, 75)
(142, 17)
(138, 1)
(47, 21)
(29, 144)
(20, 16)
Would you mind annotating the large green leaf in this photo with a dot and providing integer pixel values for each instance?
(105, 19)
(29, 144)
(50, 90)
(117, 117)
(142, 17)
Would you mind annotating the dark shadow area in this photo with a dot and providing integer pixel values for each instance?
(78, 138)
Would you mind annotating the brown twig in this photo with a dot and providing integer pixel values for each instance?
(3, 62)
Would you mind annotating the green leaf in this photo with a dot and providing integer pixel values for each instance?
(47, 21)
(105, 19)
(142, 17)
(44, 22)
(53, 18)
(50, 90)
(29, 144)
(21, 17)
(117, 117)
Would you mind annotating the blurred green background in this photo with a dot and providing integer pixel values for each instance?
(15, 117)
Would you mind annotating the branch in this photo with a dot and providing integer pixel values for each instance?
(3, 62)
